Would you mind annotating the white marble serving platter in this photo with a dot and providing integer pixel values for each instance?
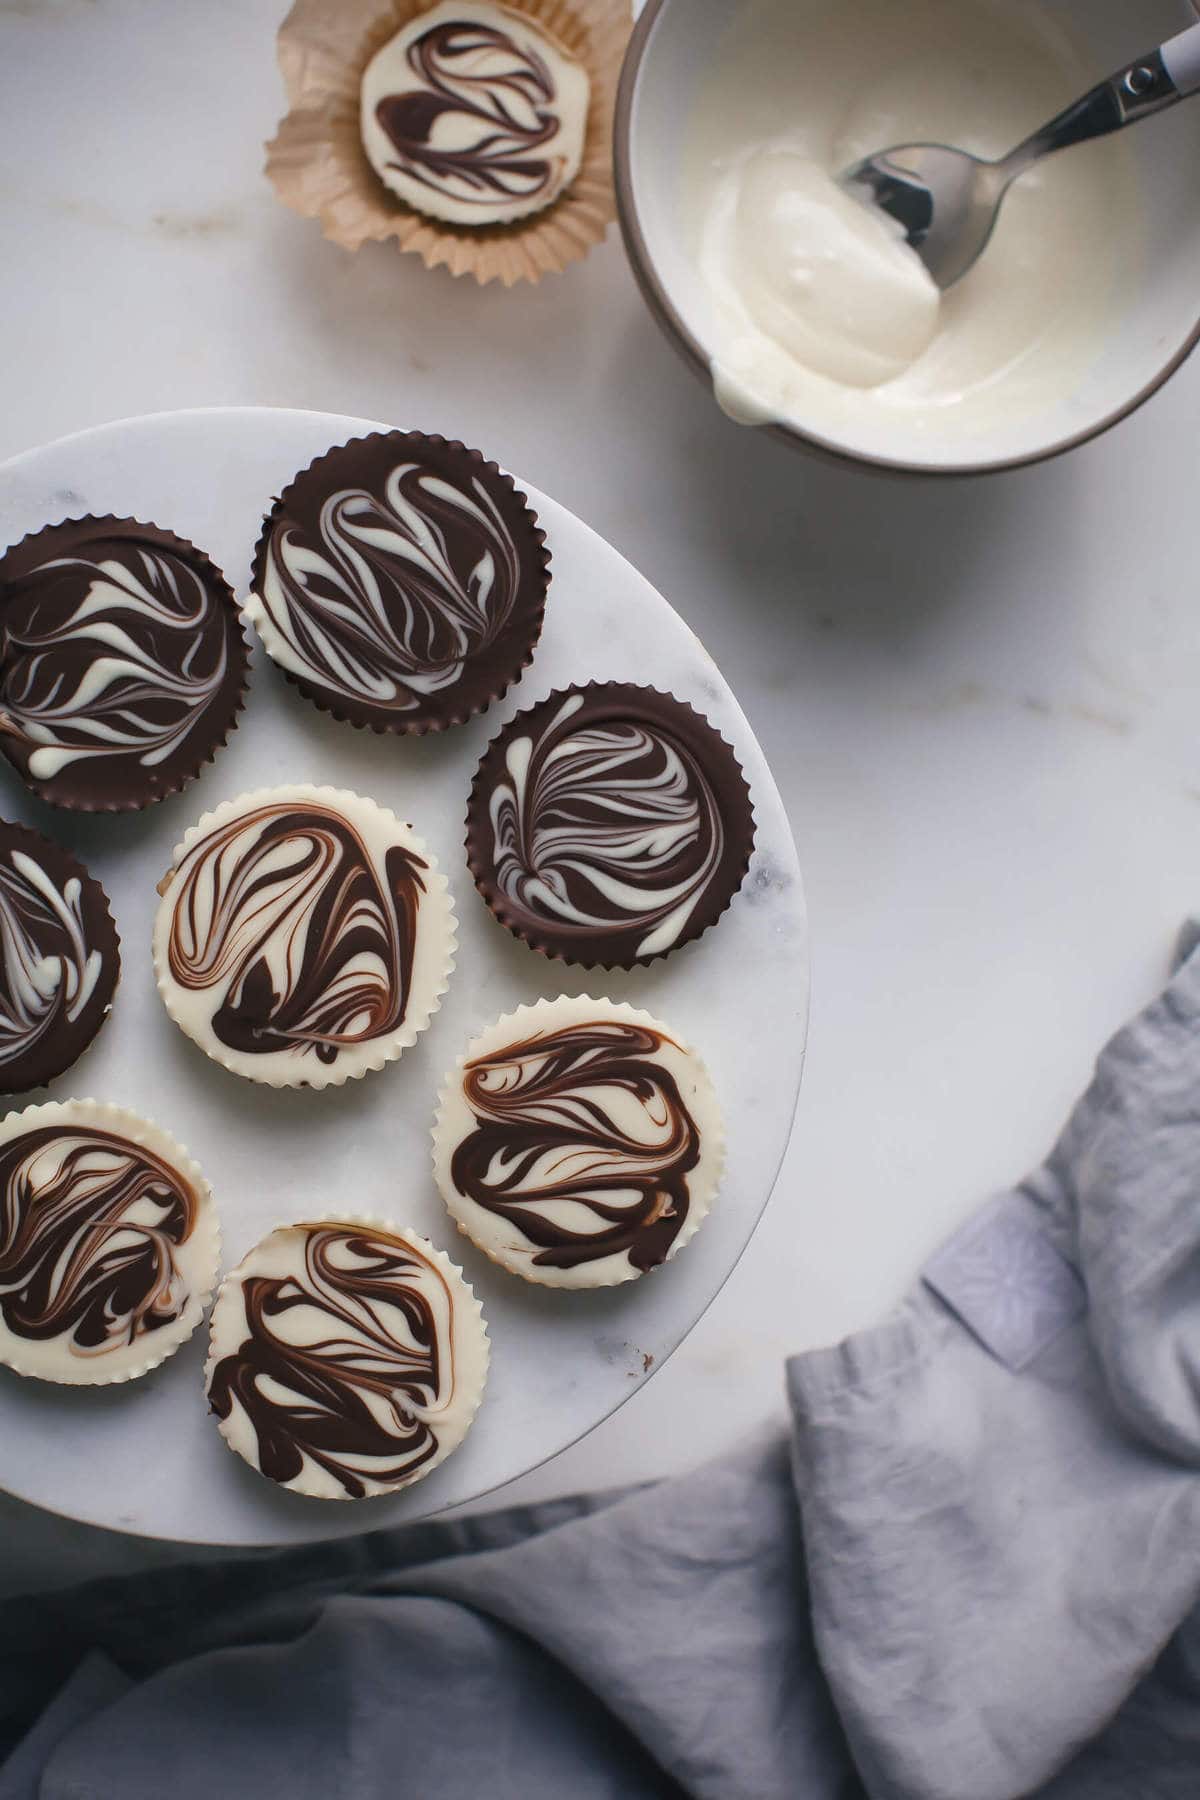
(145, 1457)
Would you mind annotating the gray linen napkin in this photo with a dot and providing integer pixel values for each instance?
(1000, 1545)
(971, 1573)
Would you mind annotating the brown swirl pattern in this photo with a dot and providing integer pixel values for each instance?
(89, 1227)
(583, 1116)
(340, 1366)
(498, 97)
(58, 959)
(283, 919)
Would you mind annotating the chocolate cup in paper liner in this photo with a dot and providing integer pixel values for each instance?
(363, 464)
(360, 892)
(53, 912)
(397, 1424)
(547, 793)
(142, 1184)
(318, 167)
(578, 1143)
(129, 782)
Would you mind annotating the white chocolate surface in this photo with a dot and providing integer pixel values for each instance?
(445, 1408)
(96, 1152)
(509, 115)
(233, 913)
(640, 1119)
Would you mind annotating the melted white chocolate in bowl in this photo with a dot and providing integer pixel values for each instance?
(823, 322)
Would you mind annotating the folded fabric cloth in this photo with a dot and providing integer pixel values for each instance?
(971, 1572)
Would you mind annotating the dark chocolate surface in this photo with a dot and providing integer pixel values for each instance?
(122, 663)
(350, 1398)
(609, 824)
(400, 582)
(59, 959)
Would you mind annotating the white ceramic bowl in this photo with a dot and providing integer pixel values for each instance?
(670, 61)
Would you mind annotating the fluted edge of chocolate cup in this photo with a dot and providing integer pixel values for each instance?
(407, 1234)
(539, 570)
(142, 1132)
(173, 540)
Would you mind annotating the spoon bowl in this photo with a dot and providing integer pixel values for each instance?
(946, 201)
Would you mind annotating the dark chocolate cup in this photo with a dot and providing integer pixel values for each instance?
(593, 946)
(61, 1048)
(107, 785)
(488, 675)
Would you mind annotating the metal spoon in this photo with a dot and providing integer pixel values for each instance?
(947, 201)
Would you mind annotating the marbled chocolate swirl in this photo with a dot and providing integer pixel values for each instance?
(335, 1361)
(59, 959)
(400, 581)
(90, 1228)
(582, 1143)
(609, 825)
(474, 114)
(296, 934)
(122, 662)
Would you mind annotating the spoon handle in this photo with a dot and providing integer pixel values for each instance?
(1181, 59)
(1151, 84)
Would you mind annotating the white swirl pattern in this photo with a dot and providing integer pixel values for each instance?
(380, 613)
(113, 696)
(594, 827)
(38, 990)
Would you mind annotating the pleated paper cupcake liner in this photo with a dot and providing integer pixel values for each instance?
(318, 167)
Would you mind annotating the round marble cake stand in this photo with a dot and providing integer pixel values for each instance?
(145, 1457)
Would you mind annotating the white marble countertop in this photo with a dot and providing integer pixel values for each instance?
(978, 698)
